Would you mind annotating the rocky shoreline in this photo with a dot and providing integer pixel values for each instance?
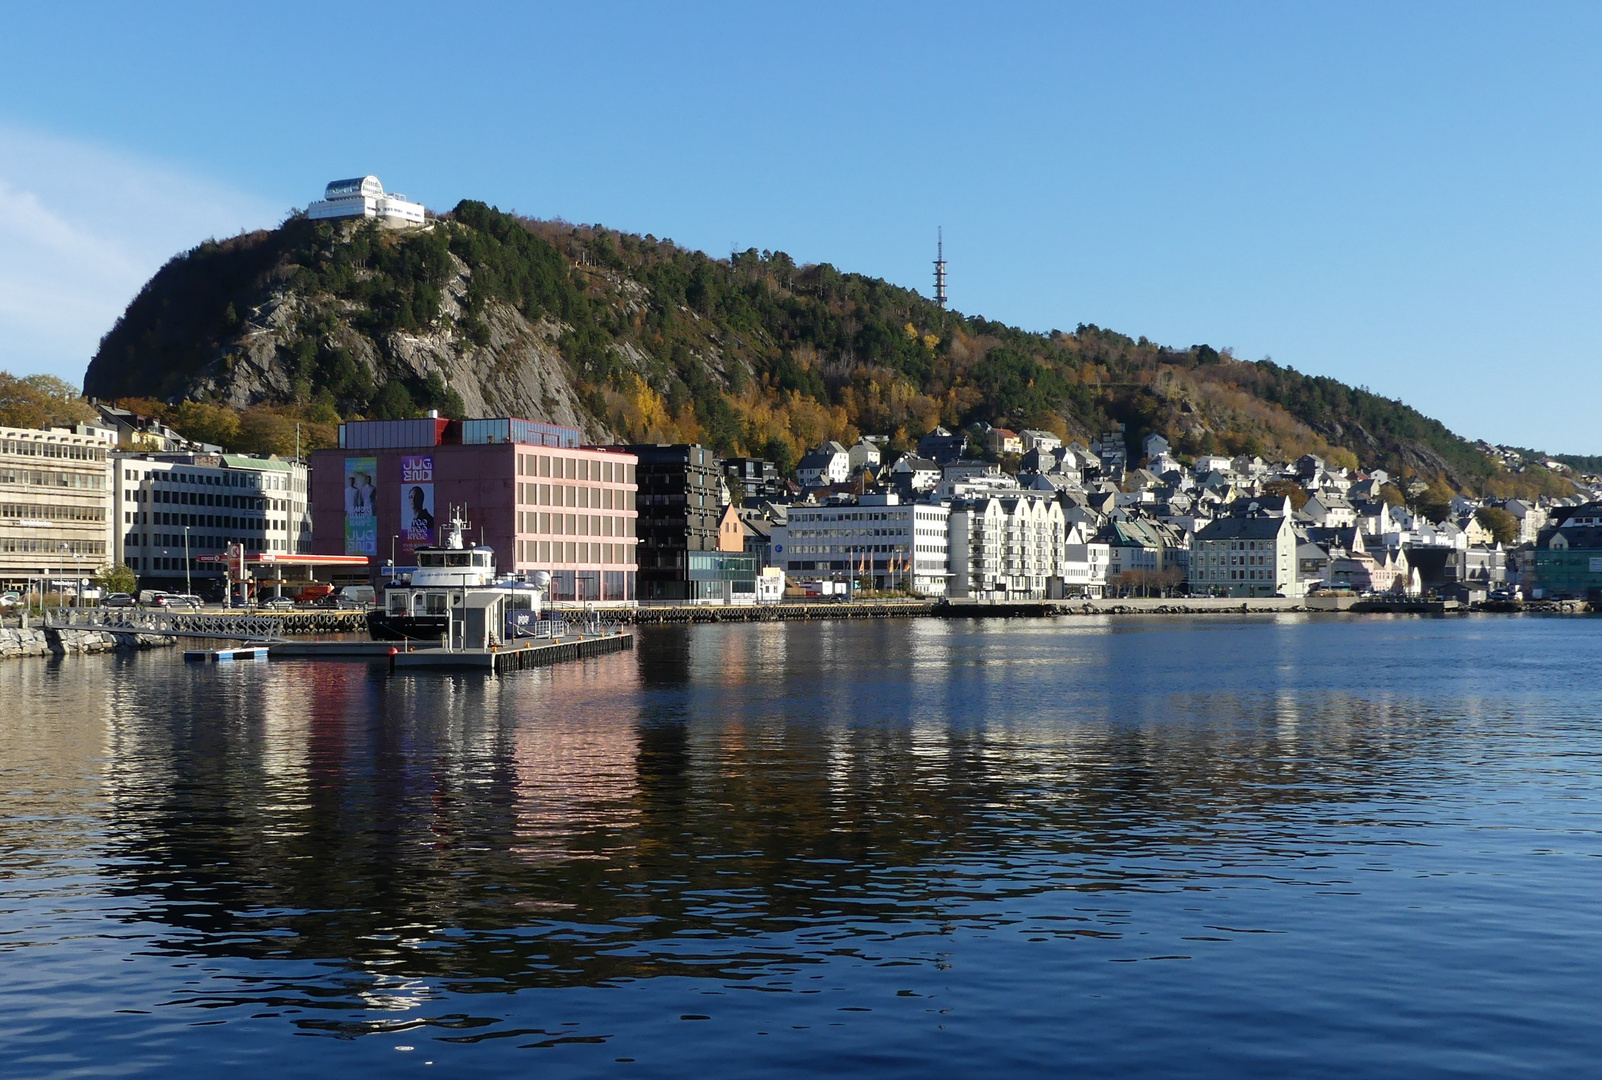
(36, 641)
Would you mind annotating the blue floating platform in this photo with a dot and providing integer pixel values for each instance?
(220, 656)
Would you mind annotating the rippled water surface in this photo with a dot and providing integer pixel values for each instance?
(1216, 847)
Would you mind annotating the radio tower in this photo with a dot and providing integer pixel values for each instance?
(940, 267)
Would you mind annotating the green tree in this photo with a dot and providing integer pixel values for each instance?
(1503, 526)
(118, 578)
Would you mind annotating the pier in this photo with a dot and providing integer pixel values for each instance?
(431, 656)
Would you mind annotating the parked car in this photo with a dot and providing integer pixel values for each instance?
(276, 603)
(355, 597)
(178, 600)
(10, 599)
(118, 599)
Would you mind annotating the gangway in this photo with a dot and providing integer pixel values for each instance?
(242, 626)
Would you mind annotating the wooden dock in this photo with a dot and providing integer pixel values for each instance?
(428, 656)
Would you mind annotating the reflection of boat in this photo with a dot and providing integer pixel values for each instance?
(419, 608)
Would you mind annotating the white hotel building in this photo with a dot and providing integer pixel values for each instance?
(364, 197)
(894, 543)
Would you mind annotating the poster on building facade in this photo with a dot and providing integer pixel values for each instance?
(417, 503)
(361, 517)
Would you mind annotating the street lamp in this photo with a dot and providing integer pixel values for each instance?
(189, 589)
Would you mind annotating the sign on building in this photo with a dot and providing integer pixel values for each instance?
(361, 518)
(417, 503)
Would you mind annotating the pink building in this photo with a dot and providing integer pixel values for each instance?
(528, 490)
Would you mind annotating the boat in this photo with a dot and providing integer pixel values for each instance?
(417, 607)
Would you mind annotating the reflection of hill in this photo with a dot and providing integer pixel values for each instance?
(761, 783)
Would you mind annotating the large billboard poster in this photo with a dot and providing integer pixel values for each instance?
(361, 516)
(417, 503)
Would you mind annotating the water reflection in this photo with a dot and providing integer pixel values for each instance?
(727, 803)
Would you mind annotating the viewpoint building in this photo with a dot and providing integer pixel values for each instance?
(364, 197)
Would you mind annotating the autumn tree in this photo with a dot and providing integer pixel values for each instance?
(1503, 526)
(40, 401)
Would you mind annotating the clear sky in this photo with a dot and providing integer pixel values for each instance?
(1403, 196)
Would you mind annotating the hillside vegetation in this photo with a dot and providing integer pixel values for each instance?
(636, 338)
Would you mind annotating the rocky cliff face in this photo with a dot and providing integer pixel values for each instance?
(517, 370)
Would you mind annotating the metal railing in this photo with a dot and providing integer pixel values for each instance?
(246, 627)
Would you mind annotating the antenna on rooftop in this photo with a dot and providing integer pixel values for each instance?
(940, 266)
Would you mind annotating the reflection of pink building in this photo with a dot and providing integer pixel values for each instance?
(528, 490)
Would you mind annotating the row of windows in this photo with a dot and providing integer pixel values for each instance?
(580, 497)
(258, 481)
(27, 545)
(568, 551)
(40, 448)
(52, 512)
(82, 481)
(530, 521)
(207, 521)
(567, 468)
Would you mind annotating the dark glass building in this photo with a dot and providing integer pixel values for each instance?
(678, 504)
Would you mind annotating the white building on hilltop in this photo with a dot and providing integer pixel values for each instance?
(364, 197)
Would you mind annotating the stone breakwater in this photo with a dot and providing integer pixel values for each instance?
(53, 642)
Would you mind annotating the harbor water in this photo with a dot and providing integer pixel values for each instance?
(1221, 846)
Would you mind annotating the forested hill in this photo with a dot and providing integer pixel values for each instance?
(636, 338)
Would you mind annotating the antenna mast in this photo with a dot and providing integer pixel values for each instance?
(940, 267)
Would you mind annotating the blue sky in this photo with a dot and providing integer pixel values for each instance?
(1401, 196)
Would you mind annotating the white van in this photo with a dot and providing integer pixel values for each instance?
(355, 596)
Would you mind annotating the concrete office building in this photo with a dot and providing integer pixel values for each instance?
(878, 538)
(210, 500)
(529, 490)
(54, 503)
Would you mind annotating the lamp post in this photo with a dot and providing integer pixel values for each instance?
(189, 589)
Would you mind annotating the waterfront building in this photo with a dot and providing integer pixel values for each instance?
(364, 197)
(679, 505)
(1568, 558)
(1144, 551)
(1082, 571)
(55, 513)
(177, 515)
(529, 490)
(1005, 546)
(879, 538)
(1245, 556)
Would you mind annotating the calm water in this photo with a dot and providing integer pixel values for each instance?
(1150, 847)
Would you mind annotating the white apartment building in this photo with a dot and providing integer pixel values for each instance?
(54, 503)
(210, 500)
(364, 197)
(1083, 569)
(895, 544)
(1005, 546)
